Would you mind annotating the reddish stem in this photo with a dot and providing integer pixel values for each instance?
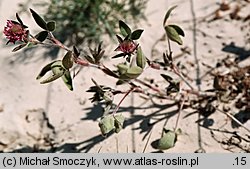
(119, 104)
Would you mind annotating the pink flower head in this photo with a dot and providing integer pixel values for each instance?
(127, 47)
(14, 31)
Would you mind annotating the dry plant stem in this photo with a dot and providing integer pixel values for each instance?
(149, 86)
(175, 69)
(146, 145)
(179, 112)
(200, 93)
(234, 119)
(99, 150)
(159, 96)
(177, 72)
(117, 145)
(119, 104)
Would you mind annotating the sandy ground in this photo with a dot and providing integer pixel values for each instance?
(50, 118)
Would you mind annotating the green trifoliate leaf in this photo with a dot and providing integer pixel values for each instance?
(124, 28)
(136, 34)
(173, 34)
(119, 120)
(140, 58)
(107, 124)
(39, 20)
(168, 14)
(167, 140)
(58, 71)
(67, 60)
(51, 26)
(41, 36)
(67, 80)
(44, 70)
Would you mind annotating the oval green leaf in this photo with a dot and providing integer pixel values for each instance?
(53, 77)
(136, 34)
(119, 120)
(124, 28)
(67, 60)
(57, 67)
(133, 72)
(57, 70)
(167, 140)
(120, 40)
(44, 70)
(173, 34)
(41, 36)
(51, 26)
(140, 58)
(67, 80)
(178, 30)
(107, 124)
(122, 68)
(39, 20)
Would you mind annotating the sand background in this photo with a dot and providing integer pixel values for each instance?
(50, 118)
